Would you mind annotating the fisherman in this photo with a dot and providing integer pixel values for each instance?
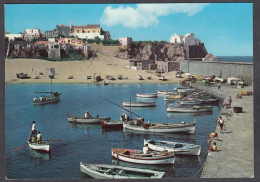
(221, 123)
(146, 149)
(33, 125)
(87, 115)
(32, 137)
(35, 98)
(40, 98)
(39, 137)
(213, 148)
(219, 85)
(212, 136)
(230, 100)
(126, 117)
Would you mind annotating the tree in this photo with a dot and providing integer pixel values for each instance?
(97, 40)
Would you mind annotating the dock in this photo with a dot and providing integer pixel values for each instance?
(235, 158)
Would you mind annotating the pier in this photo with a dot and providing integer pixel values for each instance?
(235, 158)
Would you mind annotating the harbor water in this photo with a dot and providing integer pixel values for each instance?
(91, 143)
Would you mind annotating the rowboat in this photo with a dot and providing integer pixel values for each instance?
(194, 109)
(140, 77)
(139, 104)
(183, 89)
(44, 146)
(112, 124)
(54, 97)
(162, 92)
(190, 102)
(136, 156)
(22, 75)
(103, 171)
(172, 98)
(176, 147)
(149, 95)
(162, 127)
(209, 100)
(83, 120)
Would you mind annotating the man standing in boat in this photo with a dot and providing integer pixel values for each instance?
(87, 115)
(146, 149)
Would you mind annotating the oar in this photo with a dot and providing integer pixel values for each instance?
(20, 147)
(53, 140)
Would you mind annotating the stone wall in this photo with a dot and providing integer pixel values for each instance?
(223, 69)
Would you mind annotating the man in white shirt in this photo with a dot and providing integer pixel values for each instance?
(33, 126)
(39, 137)
(146, 149)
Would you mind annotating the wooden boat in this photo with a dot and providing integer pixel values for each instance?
(176, 147)
(149, 95)
(22, 76)
(44, 146)
(104, 171)
(139, 104)
(92, 120)
(183, 89)
(112, 124)
(162, 127)
(209, 100)
(120, 77)
(136, 156)
(194, 109)
(54, 97)
(172, 98)
(70, 77)
(190, 102)
(161, 92)
(88, 77)
(140, 77)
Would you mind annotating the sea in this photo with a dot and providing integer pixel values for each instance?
(244, 59)
(90, 143)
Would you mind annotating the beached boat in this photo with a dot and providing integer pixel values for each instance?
(161, 127)
(176, 147)
(44, 146)
(54, 97)
(104, 171)
(136, 156)
(162, 92)
(83, 120)
(22, 75)
(112, 124)
(172, 98)
(140, 77)
(194, 109)
(139, 104)
(148, 95)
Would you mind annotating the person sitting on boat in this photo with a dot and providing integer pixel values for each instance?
(97, 115)
(43, 98)
(35, 98)
(213, 148)
(126, 117)
(32, 137)
(39, 137)
(212, 136)
(146, 149)
(40, 98)
(87, 115)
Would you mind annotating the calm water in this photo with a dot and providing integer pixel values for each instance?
(245, 59)
(89, 143)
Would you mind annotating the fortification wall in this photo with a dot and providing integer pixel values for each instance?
(223, 69)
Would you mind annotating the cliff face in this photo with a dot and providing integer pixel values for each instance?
(161, 51)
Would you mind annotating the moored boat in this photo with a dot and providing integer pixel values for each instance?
(172, 98)
(139, 104)
(136, 156)
(183, 90)
(162, 127)
(190, 102)
(84, 120)
(162, 92)
(104, 171)
(176, 147)
(148, 95)
(44, 146)
(112, 124)
(209, 100)
(54, 97)
(194, 109)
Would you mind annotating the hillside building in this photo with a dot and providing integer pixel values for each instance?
(31, 33)
(59, 30)
(187, 39)
(13, 36)
(124, 41)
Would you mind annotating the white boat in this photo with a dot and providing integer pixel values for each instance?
(172, 98)
(83, 120)
(44, 146)
(194, 109)
(136, 156)
(209, 100)
(162, 128)
(183, 90)
(139, 104)
(190, 102)
(162, 92)
(103, 171)
(54, 97)
(176, 147)
(149, 95)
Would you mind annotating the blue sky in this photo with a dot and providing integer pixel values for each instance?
(226, 29)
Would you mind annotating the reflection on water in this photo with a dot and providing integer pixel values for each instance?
(40, 154)
(178, 115)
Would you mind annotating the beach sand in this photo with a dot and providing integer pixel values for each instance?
(104, 64)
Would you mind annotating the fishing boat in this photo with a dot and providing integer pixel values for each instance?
(162, 92)
(112, 124)
(140, 77)
(83, 120)
(194, 109)
(148, 95)
(183, 89)
(161, 127)
(172, 98)
(44, 146)
(176, 147)
(22, 75)
(139, 104)
(136, 156)
(209, 100)
(189, 102)
(104, 171)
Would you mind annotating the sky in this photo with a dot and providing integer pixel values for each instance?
(226, 29)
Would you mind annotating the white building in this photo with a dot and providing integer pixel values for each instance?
(187, 39)
(125, 40)
(13, 36)
(31, 33)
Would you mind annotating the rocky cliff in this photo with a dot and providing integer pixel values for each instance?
(161, 51)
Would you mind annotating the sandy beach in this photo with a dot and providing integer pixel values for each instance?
(104, 64)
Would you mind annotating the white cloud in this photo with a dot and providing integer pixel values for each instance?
(145, 15)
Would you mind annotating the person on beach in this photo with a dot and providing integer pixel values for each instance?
(213, 148)
(146, 149)
(39, 137)
(221, 123)
(212, 136)
(219, 85)
(230, 100)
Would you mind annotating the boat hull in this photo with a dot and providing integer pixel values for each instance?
(161, 92)
(45, 146)
(139, 104)
(189, 109)
(152, 95)
(86, 120)
(172, 128)
(144, 159)
(190, 103)
(112, 124)
(188, 149)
